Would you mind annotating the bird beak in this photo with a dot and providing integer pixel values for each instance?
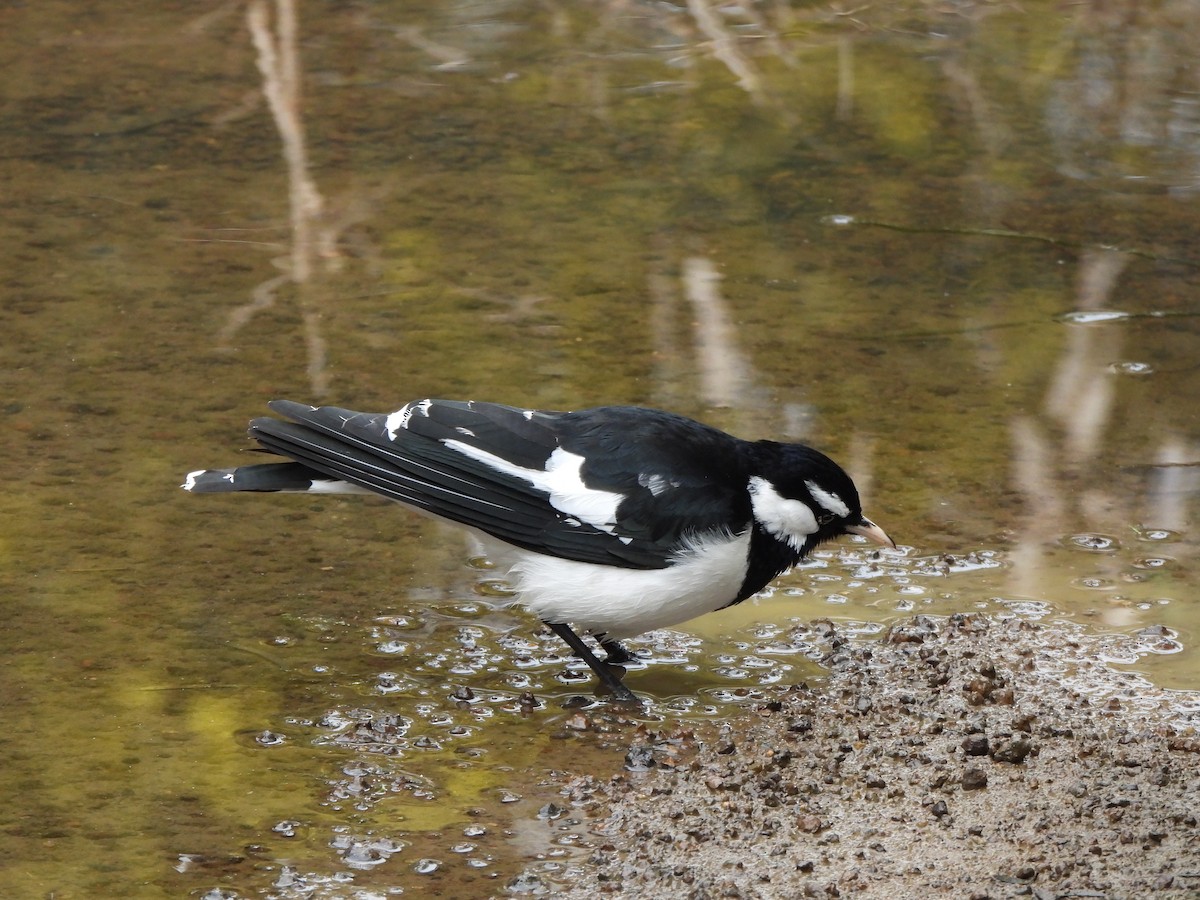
(872, 532)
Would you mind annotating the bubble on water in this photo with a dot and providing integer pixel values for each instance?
(1159, 639)
(840, 220)
(1092, 543)
(526, 883)
(1094, 583)
(499, 589)
(811, 562)
(1032, 609)
(1151, 562)
(286, 827)
(1156, 534)
(780, 647)
(1092, 316)
(757, 662)
(1130, 367)
(389, 683)
(365, 852)
(731, 672)
(426, 866)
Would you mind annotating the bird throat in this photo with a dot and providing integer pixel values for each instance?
(768, 557)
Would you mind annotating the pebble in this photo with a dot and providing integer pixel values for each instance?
(974, 779)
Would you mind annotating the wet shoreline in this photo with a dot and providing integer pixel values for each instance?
(970, 756)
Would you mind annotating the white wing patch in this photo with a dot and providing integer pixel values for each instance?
(399, 419)
(789, 520)
(561, 479)
(190, 482)
(831, 501)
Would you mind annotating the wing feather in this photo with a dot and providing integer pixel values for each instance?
(411, 458)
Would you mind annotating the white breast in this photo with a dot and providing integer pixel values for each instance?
(626, 602)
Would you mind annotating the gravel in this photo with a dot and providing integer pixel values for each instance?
(966, 757)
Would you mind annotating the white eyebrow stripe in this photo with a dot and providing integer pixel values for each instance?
(829, 500)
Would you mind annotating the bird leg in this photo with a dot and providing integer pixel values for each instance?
(603, 672)
(618, 653)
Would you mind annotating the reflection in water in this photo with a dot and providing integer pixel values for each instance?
(1062, 479)
(1127, 111)
(725, 47)
(726, 375)
(1174, 484)
(1080, 395)
(279, 63)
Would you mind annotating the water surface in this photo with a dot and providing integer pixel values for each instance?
(953, 247)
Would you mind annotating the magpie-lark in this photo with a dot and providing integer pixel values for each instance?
(615, 520)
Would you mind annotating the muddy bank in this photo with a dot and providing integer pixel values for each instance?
(966, 757)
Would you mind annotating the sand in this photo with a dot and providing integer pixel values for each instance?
(966, 757)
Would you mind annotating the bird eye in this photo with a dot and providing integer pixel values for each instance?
(826, 519)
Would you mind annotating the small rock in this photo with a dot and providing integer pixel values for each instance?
(809, 824)
(1011, 749)
(578, 722)
(974, 779)
(640, 758)
(975, 745)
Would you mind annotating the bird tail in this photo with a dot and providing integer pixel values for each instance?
(290, 477)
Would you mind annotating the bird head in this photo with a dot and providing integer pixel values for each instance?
(803, 498)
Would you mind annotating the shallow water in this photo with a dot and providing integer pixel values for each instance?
(954, 248)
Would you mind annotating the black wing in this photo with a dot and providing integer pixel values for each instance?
(614, 486)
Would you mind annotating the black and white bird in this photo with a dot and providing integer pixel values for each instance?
(613, 521)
